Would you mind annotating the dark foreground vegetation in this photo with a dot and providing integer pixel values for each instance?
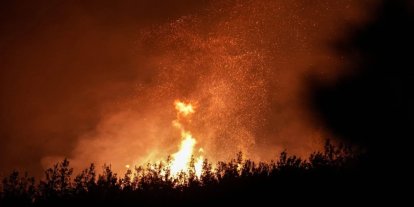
(331, 173)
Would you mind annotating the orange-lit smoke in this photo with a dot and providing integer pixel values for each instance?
(242, 64)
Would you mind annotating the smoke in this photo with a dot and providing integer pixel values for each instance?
(98, 83)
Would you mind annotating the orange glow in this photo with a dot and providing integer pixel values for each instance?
(233, 67)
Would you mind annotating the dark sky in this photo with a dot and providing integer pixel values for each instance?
(95, 81)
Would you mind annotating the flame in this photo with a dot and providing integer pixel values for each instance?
(184, 160)
(198, 166)
(184, 109)
(181, 160)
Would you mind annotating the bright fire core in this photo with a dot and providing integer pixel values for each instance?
(184, 160)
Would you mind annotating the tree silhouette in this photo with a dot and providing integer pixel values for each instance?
(231, 181)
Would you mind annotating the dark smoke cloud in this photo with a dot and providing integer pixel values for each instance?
(372, 104)
(95, 80)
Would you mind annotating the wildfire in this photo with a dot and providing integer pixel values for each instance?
(182, 160)
(185, 159)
